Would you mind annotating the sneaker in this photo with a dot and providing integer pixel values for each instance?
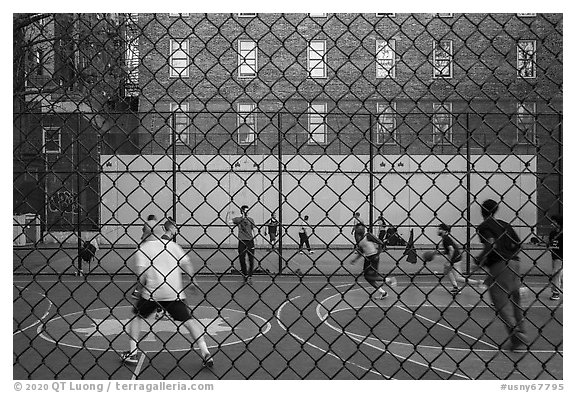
(301, 252)
(311, 251)
(208, 361)
(555, 296)
(135, 294)
(130, 358)
(455, 291)
(383, 295)
(391, 281)
(160, 314)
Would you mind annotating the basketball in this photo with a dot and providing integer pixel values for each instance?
(428, 256)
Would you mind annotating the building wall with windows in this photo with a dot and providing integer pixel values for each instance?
(328, 85)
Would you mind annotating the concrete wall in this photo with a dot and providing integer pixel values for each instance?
(417, 192)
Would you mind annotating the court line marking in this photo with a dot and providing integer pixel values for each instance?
(363, 340)
(41, 329)
(138, 367)
(46, 313)
(328, 312)
(330, 353)
(447, 327)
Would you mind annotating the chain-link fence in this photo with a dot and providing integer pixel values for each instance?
(315, 122)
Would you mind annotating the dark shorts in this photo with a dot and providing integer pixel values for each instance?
(371, 267)
(176, 308)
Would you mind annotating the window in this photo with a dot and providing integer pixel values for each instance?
(131, 55)
(526, 15)
(386, 130)
(247, 59)
(385, 59)
(51, 141)
(442, 123)
(444, 15)
(317, 15)
(317, 124)
(246, 15)
(442, 59)
(179, 58)
(180, 123)
(316, 59)
(246, 124)
(390, 15)
(527, 59)
(526, 122)
(179, 15)
(39, 62)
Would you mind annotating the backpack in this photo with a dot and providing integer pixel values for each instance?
(88, 251)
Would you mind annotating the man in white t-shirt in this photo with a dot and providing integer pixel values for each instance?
(159, 265)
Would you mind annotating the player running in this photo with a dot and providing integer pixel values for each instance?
(159, 265)
(453, 266)
(500, 257)
(369, 248)
(556, 249)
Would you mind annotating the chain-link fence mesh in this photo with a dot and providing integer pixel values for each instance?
(409, 120)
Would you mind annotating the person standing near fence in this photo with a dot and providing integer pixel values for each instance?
(381, 223)
(556, 249)
(246, 227)
(500, 258)
(303, 234)
(272, 229)
(159, 265)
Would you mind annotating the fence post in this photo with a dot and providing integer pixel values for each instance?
(171, 124)
(468, 195)
(371, 174)
(281, 231)
(78, 190)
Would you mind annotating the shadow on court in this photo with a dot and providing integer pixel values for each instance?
(282, 328)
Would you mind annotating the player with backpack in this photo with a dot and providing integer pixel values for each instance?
(500, 259)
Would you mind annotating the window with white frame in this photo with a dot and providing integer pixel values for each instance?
(526, 122)
(317, 59)
(385, 59)
(246, 123)
(445, 14)
(51, 140)
(442, 123)
(247, 59)
(526, 63)
(180, 123)
(317, 123)
(442, 59)
(386, 131)
(179, 58)
(390, 15)
(526, 15)
(317, 15)
(246, 15)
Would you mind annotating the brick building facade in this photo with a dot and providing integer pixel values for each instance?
(386, 85)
